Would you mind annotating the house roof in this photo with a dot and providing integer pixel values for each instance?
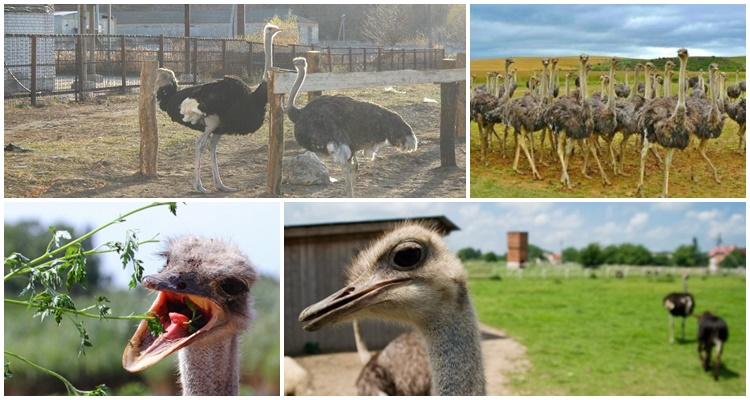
(29, 8)
(440, 222)
(200, 14)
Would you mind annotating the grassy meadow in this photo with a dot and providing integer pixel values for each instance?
(56, 347)
(606, 336)
(690, 176)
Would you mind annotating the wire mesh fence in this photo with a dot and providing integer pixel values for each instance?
(78, 65)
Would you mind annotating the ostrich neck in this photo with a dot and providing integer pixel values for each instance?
(634, 89)
(454, 348)
(268, 52)
(611, 88)
(506, 82)
(647, 86)
(294, 92)
(681, 85)
(210, 369)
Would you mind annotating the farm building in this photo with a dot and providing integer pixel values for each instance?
(315, 257)
(518, 249)
(28, 19)
(718, 254)
(66, 23)
(205, 21)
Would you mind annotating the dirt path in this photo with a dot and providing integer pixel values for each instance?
(336, 373)
(91, 150)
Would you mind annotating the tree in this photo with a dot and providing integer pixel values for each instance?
(689, 255)
(661, 259)
(735, 259)
(570, 255)
(536, 253)
(386, 24)
(592, 256)
(633, 254)
(611, 255)
(490, 257)
(469, 253)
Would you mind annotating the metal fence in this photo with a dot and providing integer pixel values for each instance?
(39, 65)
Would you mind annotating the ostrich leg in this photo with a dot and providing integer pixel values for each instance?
(482, 140)
(644, 154)
(623, 146)
(603, 174)
(667, 164)
(518, 152)
(529, 156)
(671, 328)
(717, 366)
(215, 166)
(200, 143)
(683, 330)
(702, 151)
(610, 145)
(561, 148)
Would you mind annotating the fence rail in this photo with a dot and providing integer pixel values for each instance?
(483, 270)
(45, 64)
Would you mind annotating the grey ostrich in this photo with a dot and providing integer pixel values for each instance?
(340, 126)
(627, 120)
(665, 121)
(735, 91)
(485, 110)
(402, 368)
(524, 114)
(605, 117)
(204, 305)
(623, 89)
(667, 83)
(708, 119)
(410, 276)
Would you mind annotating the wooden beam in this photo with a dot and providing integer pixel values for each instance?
(240, 20)
(448, 105)
(353, 80)
(275, 137)
(313, 66)
(147, 119)
(461, 101)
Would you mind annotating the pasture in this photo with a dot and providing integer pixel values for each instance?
(606, 336)
(91, 150)
(56, 347)
(690, 175)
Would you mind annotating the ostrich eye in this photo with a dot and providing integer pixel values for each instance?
(407, 255)
(233, 287)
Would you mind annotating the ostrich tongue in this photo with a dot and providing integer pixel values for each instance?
(179, 319)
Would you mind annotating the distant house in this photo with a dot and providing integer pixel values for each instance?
(718, 254)
(66, 23)
(206, 21)
(315, 259)
(28, 19)
(553, 258)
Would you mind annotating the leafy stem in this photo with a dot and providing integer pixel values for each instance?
(100, 390)
(81, 312)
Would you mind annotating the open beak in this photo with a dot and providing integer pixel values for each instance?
(183, 317)
(345, 302)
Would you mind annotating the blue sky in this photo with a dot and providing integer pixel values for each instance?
(254, 227)
(659, 226)
(640, 31)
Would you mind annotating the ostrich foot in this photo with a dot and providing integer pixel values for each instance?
(198, 187)
(225, 188)
(537, 175)
(639, 191)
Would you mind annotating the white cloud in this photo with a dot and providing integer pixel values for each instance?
(637, 221)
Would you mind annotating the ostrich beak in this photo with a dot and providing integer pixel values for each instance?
(347, 301)
(184, 317)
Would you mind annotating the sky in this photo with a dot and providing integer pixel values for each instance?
(553, 226)
(637, 31)
(254, 227)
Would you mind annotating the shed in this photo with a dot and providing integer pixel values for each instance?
(518, 249)
(28, 19)
(315, 257)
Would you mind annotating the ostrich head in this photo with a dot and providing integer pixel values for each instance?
(270, 30)
(508, 62)
(401, 277)
(554, 61)
(668, 65)
(203, 296)
(165, 79)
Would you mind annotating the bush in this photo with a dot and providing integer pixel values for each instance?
(592, 256)
(469, 253)
(490, 257)
(570, 255)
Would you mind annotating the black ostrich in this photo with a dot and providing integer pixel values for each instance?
(679, 304)
(712, 331)
(224, 107)
(340, 126)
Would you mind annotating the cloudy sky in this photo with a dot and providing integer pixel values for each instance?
(639, 31)
(254, 227)
(659, 226)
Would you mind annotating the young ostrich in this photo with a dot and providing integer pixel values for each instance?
(679, 304)
(223, 107)
(204, 305)
(402, 368)
(712, 331)
(339, 126)
(410, 276)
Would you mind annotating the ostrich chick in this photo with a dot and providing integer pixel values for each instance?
(409, 275)
(204, 305)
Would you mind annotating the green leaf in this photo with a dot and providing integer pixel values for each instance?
(75, 263)
(100, 390)
(61, 235)
(173, 208)
(103, 308)
(8, 372)
(15, 261)
(84, 336)
(154, 325)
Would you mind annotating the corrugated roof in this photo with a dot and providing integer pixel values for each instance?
(200, 14)
(440, 222)
(29, 8)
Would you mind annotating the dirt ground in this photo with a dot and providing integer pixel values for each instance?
(503, 359)
(91, 150)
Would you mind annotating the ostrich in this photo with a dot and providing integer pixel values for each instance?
(339, 126)
(605, 117)
(712, 331)
(736, 111)
(296, 378)
(679, 304)
(665, 121)
(402, 368)
(734, 91)
(627, 120)
(623, 90)
(667, 82)
(409, 275)
(708, 119)
(525, 115)
(482, 104)
(204, 305)
(224, 107)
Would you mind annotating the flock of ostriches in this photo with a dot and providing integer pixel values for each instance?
(337, 126)
(653, 116)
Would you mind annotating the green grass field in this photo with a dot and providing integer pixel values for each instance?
(609, 336)
(56, 347)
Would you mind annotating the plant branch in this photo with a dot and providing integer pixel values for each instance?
(72, 390)
(81, 313)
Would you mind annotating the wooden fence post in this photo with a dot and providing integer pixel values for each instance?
(414, 53)
(147, 119)
(351, 65)
(461, 100)
(313, 66)
(250, 60)
(33, 70)
(378, 65)
(330, 60)
(161, 51)
(195, 61)
(275, 138)
(123, 65)
(224, 57)
(364, 59)
(448, 119)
